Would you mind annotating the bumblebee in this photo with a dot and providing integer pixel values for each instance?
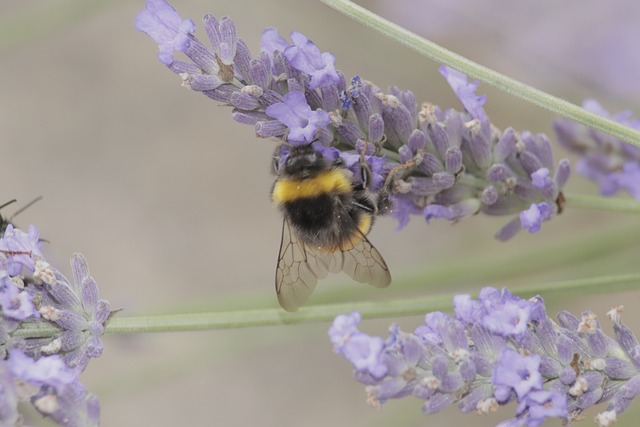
(326, 219)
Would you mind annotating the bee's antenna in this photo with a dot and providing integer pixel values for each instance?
(8, 203)
(37, 199)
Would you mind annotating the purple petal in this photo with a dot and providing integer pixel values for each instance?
(48, 370)
(164, 25)
(532, 218)
(305, 56)
(343, 327)
(295, 113)
(518, 372)
(466, 92)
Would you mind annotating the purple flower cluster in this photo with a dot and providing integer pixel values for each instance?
(496, 350)
(435, 163)
(32, 292)
(612, 163)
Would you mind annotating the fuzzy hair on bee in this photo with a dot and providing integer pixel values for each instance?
(327, 216)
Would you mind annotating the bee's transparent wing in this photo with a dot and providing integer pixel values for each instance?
(361, 261)
(298, 270)
(357, 257)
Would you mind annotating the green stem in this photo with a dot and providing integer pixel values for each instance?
(325, 313)
(602, 203)
(477, 71)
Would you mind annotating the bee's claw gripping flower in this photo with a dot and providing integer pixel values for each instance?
(496, 350)
(450, 165)
(32, 291)
(612, 163)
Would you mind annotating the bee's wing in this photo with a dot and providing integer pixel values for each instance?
(357, 257)
(298, 270)
(361, 261)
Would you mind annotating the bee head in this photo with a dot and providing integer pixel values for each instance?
(304, 162)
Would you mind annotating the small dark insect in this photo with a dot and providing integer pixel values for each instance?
(5, 222)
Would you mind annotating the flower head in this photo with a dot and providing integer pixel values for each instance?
(478, 362)
(33, 292)
(612, 163)
(73, 406)
(76, 308)
(434, 163)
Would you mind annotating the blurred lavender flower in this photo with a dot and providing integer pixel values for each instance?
(612, 163)
(496, 350)
(73, 406)
(434, 163)
(32, 292)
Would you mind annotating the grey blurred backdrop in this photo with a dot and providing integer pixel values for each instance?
(169, 198)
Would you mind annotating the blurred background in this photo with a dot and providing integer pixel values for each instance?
(169, 198)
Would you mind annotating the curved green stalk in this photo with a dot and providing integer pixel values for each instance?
(325, 313)
(476, 71)
(602, 203)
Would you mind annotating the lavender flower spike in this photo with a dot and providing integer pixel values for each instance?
(496, 350)
(31, 292)
(610, 162)
(448, 164)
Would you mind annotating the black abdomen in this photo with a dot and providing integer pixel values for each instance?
(320, 221)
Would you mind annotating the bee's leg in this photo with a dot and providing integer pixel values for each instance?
(338, 162)
(365, 205)
(365, 169)
(389, 183)
(384, 203)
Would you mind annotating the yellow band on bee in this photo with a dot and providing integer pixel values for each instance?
(329, 182)
(364, 224)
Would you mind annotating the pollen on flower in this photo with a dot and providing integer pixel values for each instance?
(576, 416)
(615, 314)
(486, 406)
(186, 80)
(372, 398)
(335, 119)
(606, 418)
(47, 404)
(472, 125)
(579, 387)
(427, 113)
(388, 100)
(595, 364)
(53, 347)
(431, 382)
(460, 355)
(588, 323)
(44, 273)
(51, 313)
(253, 90)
